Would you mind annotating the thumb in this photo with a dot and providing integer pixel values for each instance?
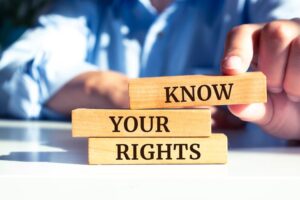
(259, 113)
(240, 49)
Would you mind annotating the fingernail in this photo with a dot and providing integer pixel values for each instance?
(275, 89)
(233, 62)
(294, 98)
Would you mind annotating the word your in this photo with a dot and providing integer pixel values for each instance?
(146, 123)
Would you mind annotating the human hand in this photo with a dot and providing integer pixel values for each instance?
(274, 49)
(94, 89)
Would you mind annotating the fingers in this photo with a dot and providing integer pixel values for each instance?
(278, 117)
(292, 77)
(240, 49)
(276, 48)
(275, 40)
(277, 53)
(258, 113)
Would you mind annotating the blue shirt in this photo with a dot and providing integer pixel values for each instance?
(128, 36)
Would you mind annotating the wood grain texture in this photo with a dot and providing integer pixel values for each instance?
(141, 123)
(212, 150)
(197, 90)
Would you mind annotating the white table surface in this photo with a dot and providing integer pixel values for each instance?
(40, 160)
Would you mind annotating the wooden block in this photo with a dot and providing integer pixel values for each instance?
(197, 90)
(212, 150)
(141, 123)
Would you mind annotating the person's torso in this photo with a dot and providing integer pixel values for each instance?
(187, 38)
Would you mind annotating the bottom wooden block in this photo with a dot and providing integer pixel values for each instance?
(212, 150)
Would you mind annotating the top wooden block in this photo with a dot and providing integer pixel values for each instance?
(197, 90)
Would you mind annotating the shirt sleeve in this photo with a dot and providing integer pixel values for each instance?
(41, 62)
(260, 11)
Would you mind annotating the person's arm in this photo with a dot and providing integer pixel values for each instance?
(274, 49)
(50, 71)
(91, 90)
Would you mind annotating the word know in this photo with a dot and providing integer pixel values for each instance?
(197, 93)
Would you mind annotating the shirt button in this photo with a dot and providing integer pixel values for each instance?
(160, 34)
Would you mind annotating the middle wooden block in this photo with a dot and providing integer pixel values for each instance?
(141, 123)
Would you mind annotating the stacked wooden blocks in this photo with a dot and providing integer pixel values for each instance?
(150, 134)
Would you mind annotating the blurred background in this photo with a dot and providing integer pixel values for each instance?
(16, 16)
